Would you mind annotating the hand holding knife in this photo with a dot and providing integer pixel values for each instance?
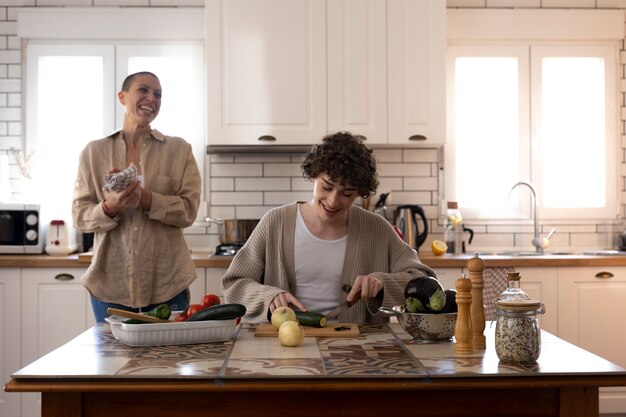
(341, 307)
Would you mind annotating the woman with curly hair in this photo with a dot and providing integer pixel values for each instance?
(313, 256)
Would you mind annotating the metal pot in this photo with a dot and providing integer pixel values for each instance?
(234, 231)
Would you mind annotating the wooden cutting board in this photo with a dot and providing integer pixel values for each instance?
(344, 330)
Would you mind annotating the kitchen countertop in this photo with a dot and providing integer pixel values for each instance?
(206, 260)
(383, 365)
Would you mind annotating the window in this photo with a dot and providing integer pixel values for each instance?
(539, 111)
(72, 99)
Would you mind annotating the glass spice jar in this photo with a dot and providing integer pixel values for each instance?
(518, 335)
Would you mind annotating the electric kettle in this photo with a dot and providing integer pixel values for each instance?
(406, 221)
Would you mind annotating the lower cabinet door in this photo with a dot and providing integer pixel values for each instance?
(9, 342)
(591, 315)
(55, 309)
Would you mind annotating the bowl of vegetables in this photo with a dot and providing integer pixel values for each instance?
(429, 312)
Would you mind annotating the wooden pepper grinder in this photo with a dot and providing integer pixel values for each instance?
(463, 328)
(476, 266)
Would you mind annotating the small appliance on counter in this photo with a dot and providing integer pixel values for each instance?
(61, 239)
(406, 221)
(20, 229)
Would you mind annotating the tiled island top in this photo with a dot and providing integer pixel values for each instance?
(381, 351)
(381, 372)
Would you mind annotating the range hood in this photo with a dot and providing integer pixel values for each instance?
(257, 149)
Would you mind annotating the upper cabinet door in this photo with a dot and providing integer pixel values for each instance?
(357, 68)
(266, 71)
(416, 42)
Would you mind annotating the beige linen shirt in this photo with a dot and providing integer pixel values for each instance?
(140, 257)
(264, 267)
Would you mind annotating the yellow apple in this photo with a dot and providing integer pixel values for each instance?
(291, 334)
(281, 315)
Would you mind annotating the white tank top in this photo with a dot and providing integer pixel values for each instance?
(319, 264)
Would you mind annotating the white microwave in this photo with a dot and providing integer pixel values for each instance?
(20, 229)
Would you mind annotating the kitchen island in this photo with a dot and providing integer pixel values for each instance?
(381, 372)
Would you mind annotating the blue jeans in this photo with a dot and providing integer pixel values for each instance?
(179, 302)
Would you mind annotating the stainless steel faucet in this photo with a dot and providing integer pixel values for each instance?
(538, 242)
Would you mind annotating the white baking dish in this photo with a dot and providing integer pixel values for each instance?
(175, 333)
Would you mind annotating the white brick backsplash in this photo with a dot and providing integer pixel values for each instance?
(408, 170)
(8, 28)
(266, 184)
(236, 170)
(225, 212)
(301, 184)
(10, 113)
(15, 71)
(14, 42)
(251, 212)
(10, 86)
(3, 131)
(3, 13)
(3, 41)
(121, 2)
(15, 128)
(388, 184)
(222, 184)
(4, 70)
(495, 241)
(388, 155)
(177, 3)
(280, 198)
(420, 155)
(282, 170)
(45, 3)
(610, 4)
(417, 183)
(514, 3)
(568, 3)
(241, 159)
(411, 197)
(18, 3)
(4, 99)
(466, 3)
(10, 56)
(236, 198)
(15, 100)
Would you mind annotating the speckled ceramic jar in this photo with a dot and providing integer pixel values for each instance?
(518, 336)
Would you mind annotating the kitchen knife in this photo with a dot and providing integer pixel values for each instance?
(337, 310)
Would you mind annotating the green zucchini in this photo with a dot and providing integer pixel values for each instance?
(162, 311)
(219, 312)
(311, 319)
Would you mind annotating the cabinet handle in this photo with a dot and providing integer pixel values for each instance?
(604, 275)
(64, 277)
(417, 137)
(267, 138)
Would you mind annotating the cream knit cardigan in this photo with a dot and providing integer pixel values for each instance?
(264, 266)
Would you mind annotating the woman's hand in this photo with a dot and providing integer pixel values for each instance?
(364, 287)
(288, 300)
(129, 197)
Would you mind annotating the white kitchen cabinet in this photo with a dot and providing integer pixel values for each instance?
(357, 68)
(214, 281)
(55, 309)
(266, 71)
(591, 315)
(197, 289)
(448, 276)
(542, 284)
(9, 337)
(416, 41)
(291, 71)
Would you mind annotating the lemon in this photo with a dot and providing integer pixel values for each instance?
(439, 247)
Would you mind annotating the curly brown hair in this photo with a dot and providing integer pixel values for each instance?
(345, 159)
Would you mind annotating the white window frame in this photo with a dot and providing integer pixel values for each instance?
(562, 28)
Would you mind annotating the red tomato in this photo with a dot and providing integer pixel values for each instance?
(210, 300)
(194, 308)
(180, 317)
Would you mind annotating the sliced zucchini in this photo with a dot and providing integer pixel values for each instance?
(311, 319)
